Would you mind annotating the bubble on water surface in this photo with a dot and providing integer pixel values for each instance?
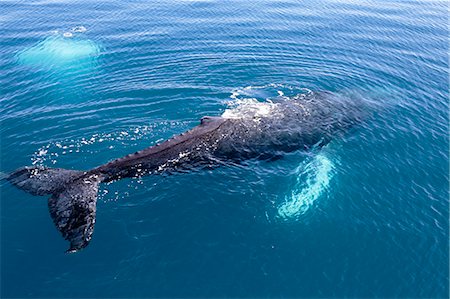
(249, 108)
(259, 101)
(79, 29)
(267, 92)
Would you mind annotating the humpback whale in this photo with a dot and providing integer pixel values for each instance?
(302, 122)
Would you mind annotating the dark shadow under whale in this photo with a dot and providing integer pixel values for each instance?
(299, 123)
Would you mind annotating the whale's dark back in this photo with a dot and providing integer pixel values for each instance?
(287, 125)
(291, 124)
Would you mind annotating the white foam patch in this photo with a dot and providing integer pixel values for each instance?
(79, 29)
(268, 91)
(249, 108)
(312, 181)
(59, 51)
(256, 101)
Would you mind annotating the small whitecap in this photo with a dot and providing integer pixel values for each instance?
(234, 95)
(42, 152)
(68, 34)
(79, 29)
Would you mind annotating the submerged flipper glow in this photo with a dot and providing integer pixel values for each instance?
(59, 51)
(312, 180)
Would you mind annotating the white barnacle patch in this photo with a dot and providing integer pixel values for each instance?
(139, 170)
(183, 155)
(173, 162)
(162, 167)
(34, 172)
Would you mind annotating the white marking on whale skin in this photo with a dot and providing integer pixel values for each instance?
(312, 181)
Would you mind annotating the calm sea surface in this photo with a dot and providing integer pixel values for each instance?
(84, 82)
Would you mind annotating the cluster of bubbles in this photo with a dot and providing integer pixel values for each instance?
(249, 108)
(259, 101)
(76, 29)
(50, 153)
(54, 153)
(267, 92)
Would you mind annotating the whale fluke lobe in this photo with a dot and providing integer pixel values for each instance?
(40, 180)
(72, 205)
(73, 211)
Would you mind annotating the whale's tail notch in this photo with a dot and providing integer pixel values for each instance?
(73, 202)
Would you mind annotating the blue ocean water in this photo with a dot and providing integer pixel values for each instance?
(84, 82)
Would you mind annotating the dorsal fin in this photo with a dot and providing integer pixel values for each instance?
(209, 119)
(207, 124)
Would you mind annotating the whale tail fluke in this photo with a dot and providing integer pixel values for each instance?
(73, 202)
(73, 211)
(39, 180)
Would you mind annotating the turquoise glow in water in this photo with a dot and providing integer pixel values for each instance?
(58, 51)
(312, 181)
(366, 216)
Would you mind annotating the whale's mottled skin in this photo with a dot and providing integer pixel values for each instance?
(288, 125)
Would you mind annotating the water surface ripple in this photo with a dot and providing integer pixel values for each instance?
(365, 217)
